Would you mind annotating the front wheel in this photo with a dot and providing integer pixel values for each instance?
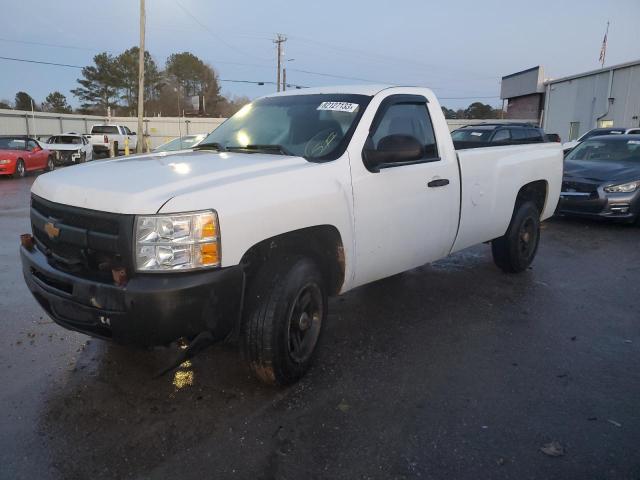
(50, 164)
(286, 305)
(20, 171)
(514, 252)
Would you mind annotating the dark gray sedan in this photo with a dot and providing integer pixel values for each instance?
(602, 179)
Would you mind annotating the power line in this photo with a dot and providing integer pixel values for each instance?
(214, 35)
(256, 82)
(42, 63)
(42, 44)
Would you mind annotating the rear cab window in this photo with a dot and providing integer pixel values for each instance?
(104, 129)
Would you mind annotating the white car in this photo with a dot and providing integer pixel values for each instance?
(69, 148)
(298, 196)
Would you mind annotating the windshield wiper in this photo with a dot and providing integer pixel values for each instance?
(210, 146)
(268, 148)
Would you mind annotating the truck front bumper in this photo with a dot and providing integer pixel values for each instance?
(151, 309)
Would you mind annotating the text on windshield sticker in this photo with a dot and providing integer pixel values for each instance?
(338, 106)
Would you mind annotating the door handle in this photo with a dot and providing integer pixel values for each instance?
(440, 182)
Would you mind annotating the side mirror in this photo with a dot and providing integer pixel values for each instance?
(392, 150)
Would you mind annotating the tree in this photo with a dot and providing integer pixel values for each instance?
(56, 102)
(194, 77)
(479, 110)
(127, 63)
(24, 102)
(448, 113)
(5, 104)
(99, 88)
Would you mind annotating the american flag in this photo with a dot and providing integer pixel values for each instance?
(603, 50)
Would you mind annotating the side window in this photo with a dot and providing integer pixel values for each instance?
(534, 135)
(408, 119)
(127, 131)
(518, 133)
(31, 144)
(502, 136)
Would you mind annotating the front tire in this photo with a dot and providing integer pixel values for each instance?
(21, 171)
(50, 164)
(514, 252)
(286, 305)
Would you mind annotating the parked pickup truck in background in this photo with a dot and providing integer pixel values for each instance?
(297, 197)
(101, 135)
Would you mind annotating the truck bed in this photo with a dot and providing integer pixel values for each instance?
(490, 180)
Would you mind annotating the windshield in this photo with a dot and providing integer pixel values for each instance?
(615, 149)
(471, 135)
(316, 127)
(104, 129)
(188, 141)
(9, 143)
(66, 140)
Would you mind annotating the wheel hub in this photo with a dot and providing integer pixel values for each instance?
(305, 322)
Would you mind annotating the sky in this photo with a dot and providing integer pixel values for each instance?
(459, 48)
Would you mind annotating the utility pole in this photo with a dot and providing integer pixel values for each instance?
(284, 79)
(140, 133)
(280, 39)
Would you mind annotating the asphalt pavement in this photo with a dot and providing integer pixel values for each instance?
(449, 371)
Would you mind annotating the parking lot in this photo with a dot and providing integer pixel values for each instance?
(453, 370)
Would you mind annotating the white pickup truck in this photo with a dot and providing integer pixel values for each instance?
(299, 196)
(102, 135)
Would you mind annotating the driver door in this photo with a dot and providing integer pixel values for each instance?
(36, 157)
(406, 213)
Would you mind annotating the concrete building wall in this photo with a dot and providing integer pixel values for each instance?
(582, 101)
(158, 129)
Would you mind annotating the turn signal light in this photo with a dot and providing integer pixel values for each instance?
(209, 254)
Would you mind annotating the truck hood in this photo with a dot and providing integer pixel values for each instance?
(141, 184)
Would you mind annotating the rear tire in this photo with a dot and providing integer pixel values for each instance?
(514, 252)
(286, 305)
(21, 171)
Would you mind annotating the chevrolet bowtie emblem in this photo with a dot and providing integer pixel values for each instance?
(51, 230)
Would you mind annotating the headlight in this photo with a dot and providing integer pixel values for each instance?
(184, 241)
(623, 188)
(4, 162)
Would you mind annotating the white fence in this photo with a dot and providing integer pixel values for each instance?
(159, 129)
(42, 125)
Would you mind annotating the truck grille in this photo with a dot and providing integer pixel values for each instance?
(83, 242)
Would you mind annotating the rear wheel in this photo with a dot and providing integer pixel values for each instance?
(286, 305)
(20, 169)
(514, 252)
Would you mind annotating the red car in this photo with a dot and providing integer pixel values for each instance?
(19, 155)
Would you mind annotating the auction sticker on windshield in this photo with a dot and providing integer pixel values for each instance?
(338, 106)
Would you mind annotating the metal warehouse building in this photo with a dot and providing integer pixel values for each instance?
(573, 105)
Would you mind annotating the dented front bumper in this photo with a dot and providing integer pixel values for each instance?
(149, 310)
